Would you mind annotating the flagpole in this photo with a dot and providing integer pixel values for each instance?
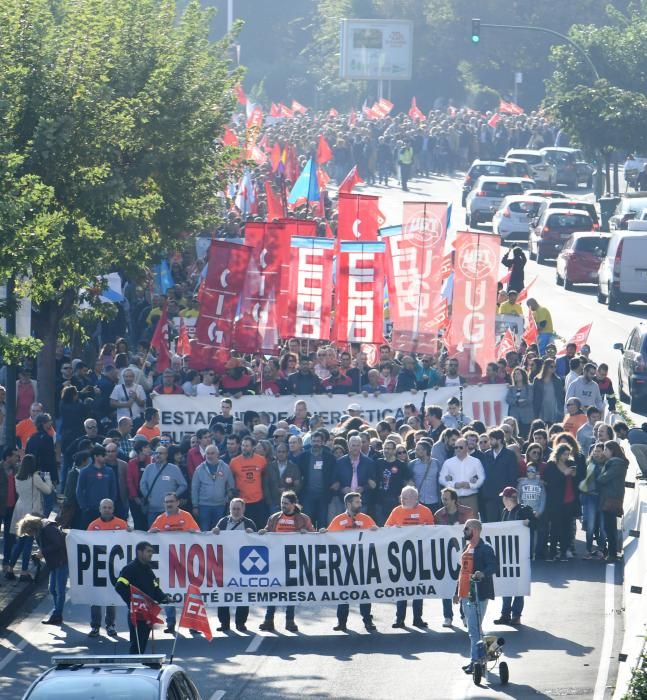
(139, 647)
(177, 631)
(152, 638)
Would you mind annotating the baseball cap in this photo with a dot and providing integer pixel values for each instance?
(509, 492)
(353, 407)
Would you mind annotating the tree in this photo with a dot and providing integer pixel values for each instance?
(109, 120)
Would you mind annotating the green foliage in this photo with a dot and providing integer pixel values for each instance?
(13, 349)
(484, 99)
(638, 686)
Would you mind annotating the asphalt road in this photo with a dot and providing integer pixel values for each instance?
(566, 647)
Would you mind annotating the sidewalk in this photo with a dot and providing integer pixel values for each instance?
(14, 594)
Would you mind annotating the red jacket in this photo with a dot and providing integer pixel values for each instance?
(194, 459)
(133, 476)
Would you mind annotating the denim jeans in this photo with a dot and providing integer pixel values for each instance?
(448, 610)
(512, 607)
(401, 610)
(208, 516)
(171, 615)
(22, 547)
(344, 608)
(542, 341)
(9, 540)
(472, 612)
(592, 521)
(95, 615)
(271, 609)
(57, 582)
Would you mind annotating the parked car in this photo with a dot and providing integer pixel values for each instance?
(547, 194)
(632, 368)
(622, 277)
(515, 167)
(629, 206)
(145, 677)
(572, 169)
(478, 168)
(588, 207)
(487, 195)
(579, 259)
(543, 172)
(512, 219)
(553, 228)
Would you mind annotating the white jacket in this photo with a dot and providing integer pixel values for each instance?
(455, 470)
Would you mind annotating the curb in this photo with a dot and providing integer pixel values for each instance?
(11, 610)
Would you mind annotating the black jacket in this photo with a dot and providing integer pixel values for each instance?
(141, 576)
(41, 445)
(329, 468)
(500, 472)
(519, 512)
(486, 562)
(246, 524)
(538, 393)
(52, 546)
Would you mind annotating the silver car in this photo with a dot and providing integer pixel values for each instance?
(543, 172)
(145, 677)
(487, 195)
(512, 219)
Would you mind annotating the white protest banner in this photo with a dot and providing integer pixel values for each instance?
(183, 415)
(236, 568)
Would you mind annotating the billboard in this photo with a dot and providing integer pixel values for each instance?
(375, 49)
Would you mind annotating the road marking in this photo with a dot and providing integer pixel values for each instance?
(607, 638)
(254, 644)
(12, 654)
(217, 695)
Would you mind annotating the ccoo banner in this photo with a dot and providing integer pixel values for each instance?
(183, 415)
(236, 568)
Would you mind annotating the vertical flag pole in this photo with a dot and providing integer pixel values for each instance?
(177, 631)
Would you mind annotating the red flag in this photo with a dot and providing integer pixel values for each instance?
(255, 119)
(159, 342)
(240, 94)
(359, 314)
(385, 105)
(274, 205)
(275, 157)
(254, 153)
(531, 333)
(292, 169)
(413, 263)
(357, 217)
(229, 138)
(414, 112)
(523, 294)
(352, 118)
(476, 268)
(350, 180)
(494, 120)
(297, 107)
(333, 112)
(506, 278)
(223, 285)
(285, 111)
(579, 339)
(446, 266)
(183, 347)
(275, 110)
(143, 608)
(194, 613)
(324, 154)
(509, 108)
(506, 344)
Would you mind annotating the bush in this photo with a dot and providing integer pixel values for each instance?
(638, 687)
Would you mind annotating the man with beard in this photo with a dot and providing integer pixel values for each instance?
(317, 466)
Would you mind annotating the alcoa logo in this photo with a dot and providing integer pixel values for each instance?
(254, 560)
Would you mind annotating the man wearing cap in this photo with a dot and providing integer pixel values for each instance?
(512, 510)
(354, 410)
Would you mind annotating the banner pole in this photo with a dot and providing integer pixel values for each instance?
(177, 631)
(139, 647)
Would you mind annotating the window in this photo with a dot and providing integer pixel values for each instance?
(529, 208)
(574, 221)
(592, 245)
(499, 189)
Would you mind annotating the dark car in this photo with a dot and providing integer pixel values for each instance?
(629, 208)
(553, 228)
(478, 168)
(579, 259)
(632, 368)
(588, 207)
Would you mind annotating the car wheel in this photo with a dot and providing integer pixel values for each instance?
(567, 285)
(540, 257)
(613, 299)
(589, 181)
(467, 220)
(558, 279)
(601, 298)
(531, 254)
(637, 405)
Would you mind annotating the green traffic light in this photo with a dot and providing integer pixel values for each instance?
(476, 31)
(476, 38)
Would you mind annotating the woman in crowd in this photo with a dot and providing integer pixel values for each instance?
(611, 485)
(288, 365)
(561, 500)
(30, 488)
(519, 398)
(548, 394)
(590, 499)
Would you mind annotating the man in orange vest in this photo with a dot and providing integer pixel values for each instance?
(352, 519)
(410, 512)
(106, 522)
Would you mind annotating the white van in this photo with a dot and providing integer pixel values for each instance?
(622, 276)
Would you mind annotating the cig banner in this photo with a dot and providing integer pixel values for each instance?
(236, 568)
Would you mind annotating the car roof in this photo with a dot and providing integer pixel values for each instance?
(566, 203)
(515, 160)
(531, 151)
(566, 149)
(522, 198)
(547, 194)
(487, 162)
(578, 212)
(591, 234)
(502, 178)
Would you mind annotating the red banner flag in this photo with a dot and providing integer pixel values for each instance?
(324, 153)
(414, 273)
(143, 608)
(494, 120)
(447, 266)
(415, 113)
(160, 343)
(531, 333)
(223, 285)
(385, 105)
(523, 294)
(298, 107)
(255, 119)
(506, 344)
(476, 269)
(285, 111)
(257, 327)
(275, 156)
(310, 289)
(357, 218)
(240, 94)
(360, 303)
(274, 204)
(183, 346)
(350, 180)
(509, 108)
(333, 112)
(292, 168)
(194, 613)
(579, 339)
(229, 138)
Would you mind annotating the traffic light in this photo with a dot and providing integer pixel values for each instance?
(476, 31)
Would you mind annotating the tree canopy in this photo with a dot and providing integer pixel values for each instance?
(110, 112)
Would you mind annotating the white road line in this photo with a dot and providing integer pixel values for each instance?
(607, 638)
(217, 695)
(12, 654)
(254, 644)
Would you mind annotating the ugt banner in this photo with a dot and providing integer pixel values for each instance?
(476, 267)
(183, 415)
(236, 568)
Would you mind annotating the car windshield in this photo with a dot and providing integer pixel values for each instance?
(532, 158)
(103, 686)
(575, 221)
(488, 169)
(529, 208)
(584, 206)
(561, 157)
(498, 189)
(592, 245)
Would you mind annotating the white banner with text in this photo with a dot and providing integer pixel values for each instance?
(183, 415)
(236, 568)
